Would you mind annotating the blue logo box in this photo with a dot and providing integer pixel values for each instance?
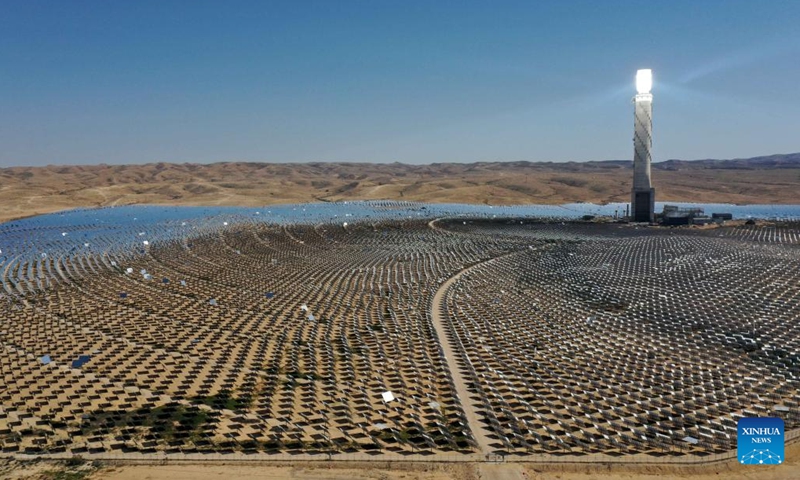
(760, 441)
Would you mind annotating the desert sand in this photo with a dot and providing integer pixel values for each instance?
(729, 470)
(29, 191)
(408, 471)
(26, 191)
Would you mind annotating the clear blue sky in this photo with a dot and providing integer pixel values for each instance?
(86, 82)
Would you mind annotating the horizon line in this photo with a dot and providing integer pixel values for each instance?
(355, 162)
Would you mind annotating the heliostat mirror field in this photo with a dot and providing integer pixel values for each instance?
(391, 327)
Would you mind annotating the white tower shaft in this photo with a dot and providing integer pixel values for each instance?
(642, 194)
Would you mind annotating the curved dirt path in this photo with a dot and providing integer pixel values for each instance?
(453, 353)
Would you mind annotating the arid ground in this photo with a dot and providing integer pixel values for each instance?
(416, 471)
(28, 191)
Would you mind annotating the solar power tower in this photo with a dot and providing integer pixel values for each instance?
(643, 195)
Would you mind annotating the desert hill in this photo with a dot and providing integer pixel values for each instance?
(33, 190)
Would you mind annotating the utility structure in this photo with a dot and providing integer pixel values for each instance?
(643, 195)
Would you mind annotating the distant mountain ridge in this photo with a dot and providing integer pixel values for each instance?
(780, 160)
(31, 190)
(788, 160)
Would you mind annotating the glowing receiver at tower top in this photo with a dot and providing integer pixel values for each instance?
(644, 80)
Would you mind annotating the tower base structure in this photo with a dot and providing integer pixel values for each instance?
(643, 205)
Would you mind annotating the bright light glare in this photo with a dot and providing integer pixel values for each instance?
(644, 80)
